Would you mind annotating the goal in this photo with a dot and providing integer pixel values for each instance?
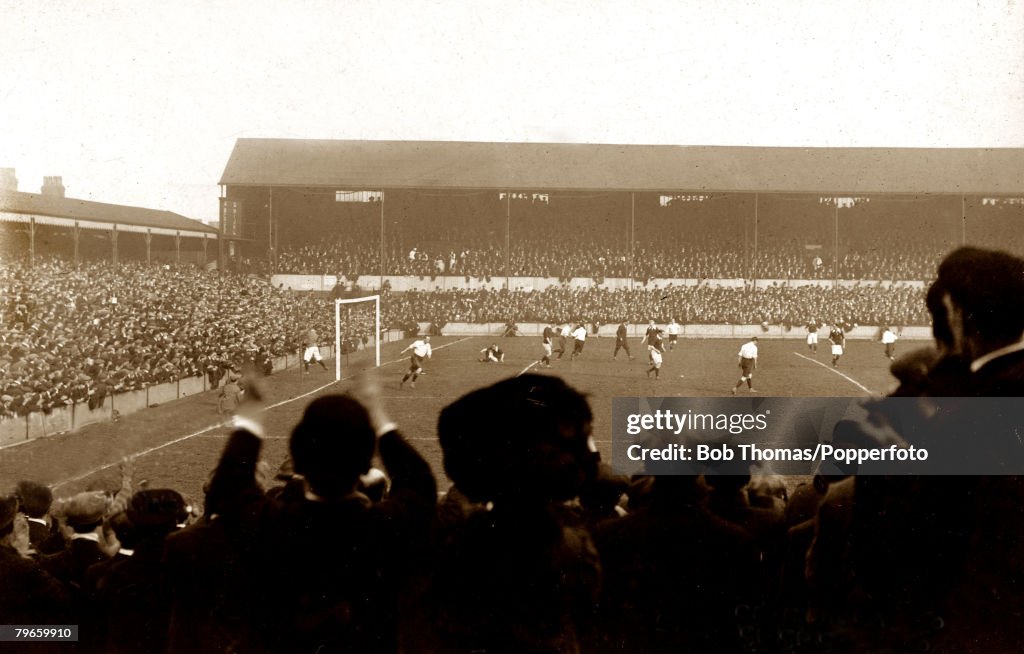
(353, 318)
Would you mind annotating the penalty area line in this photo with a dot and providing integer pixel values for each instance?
(220, 425)
(832, 369)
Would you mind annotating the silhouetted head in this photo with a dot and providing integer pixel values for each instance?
(982, 291)
(525, 440)
(332, 445)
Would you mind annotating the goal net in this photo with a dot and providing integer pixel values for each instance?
(356, 334)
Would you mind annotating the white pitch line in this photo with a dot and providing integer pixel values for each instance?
(832, 369)
(224, 424)
(138, 454)
(527, 368)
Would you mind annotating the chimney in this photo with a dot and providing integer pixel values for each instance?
(8, 180)
(53, 187)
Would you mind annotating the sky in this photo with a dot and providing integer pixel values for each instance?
(138, 102)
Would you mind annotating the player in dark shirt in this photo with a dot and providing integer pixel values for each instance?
(838, 339)
(812, 335)
(622, 341)
(492, 354)
(656, 349)
(548, 337)
(649, 333)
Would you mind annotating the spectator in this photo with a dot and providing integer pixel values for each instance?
(357, 557)
(87, 542)
(129, 594)
(28, 594)
(676, 576)
(35, 501)
(958, 596)
(522, 574)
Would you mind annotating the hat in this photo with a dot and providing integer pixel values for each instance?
(157, 507)
(540, 451)
(85, 509)
(986, 284)
(35, 498)
(8, 509)
(333, 444)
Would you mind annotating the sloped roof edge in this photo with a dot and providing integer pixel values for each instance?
(75, 209)
(579, 166)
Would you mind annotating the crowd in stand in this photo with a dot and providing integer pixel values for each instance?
(538, 546)
(775, 305)
(591, 257)
(74, 334)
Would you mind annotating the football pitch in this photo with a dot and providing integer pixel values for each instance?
(177, 444)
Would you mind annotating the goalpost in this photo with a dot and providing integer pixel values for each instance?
(348, 322)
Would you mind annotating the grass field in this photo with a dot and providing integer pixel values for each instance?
(176, 445)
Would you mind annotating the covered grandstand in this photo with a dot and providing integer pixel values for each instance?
(508, 213)
(33, 224)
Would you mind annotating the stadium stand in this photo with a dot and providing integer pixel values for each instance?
(71, 334)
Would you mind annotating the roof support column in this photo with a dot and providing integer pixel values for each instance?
(204, 250)
(508, 235)
(757, 218)
(270, 229)
(381, 282)
(633, 236)
(75, 235)
(748, 269)
(149, 242)
(113, 245)
(177, 248)
(835, 246)
(220, 254)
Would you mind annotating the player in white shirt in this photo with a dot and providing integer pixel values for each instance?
(579, 337)
(673, 330)
(889, 341)
(748, 362)
(563, 336)
(420, 350)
